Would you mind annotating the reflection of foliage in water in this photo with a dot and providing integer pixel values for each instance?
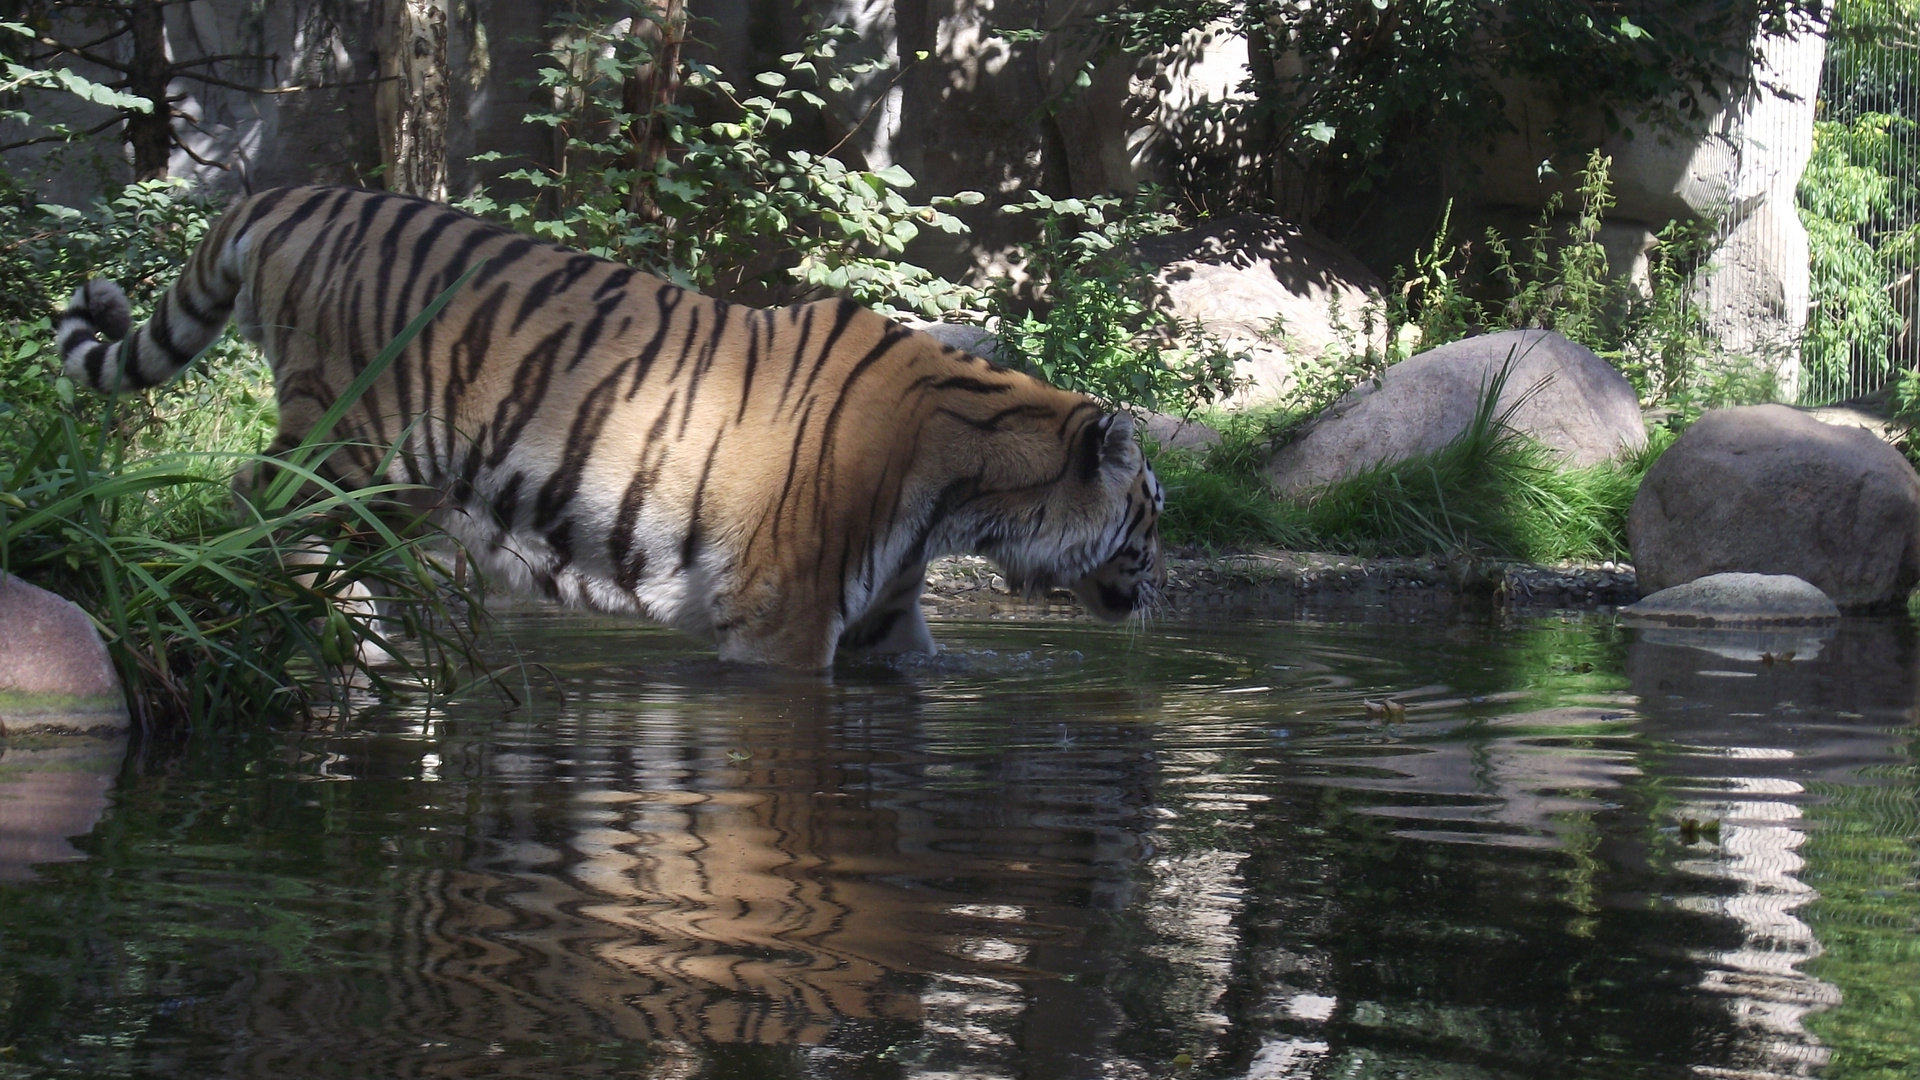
(1863, 856)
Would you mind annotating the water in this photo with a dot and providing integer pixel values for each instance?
(1054, 851)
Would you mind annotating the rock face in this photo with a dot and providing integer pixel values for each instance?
(1735, 171)
(1177, 433)
(1268, 287)
(55, 675)
(1768, 490)
(1738, 599)
(1583, 408)
(967, 337)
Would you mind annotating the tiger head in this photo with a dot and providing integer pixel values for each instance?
(1094, 528)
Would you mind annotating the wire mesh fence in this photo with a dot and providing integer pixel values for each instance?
(1860, 202)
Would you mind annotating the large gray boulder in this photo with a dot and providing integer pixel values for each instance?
(1574, 403)
(55, 675)
(967, 337)
(1269, 288)
(1766, 489)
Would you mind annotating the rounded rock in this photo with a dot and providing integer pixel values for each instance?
(1738, 599)
(1557, 391)
(1765, 489)
(55, 674)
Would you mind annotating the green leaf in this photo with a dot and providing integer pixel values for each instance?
(896, 176)
(98, 94)
(1320, 131)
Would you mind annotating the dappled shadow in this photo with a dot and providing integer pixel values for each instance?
(1301, 259)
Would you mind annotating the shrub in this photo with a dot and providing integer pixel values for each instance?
(1094, 324)
(723, 206)
(221, 620)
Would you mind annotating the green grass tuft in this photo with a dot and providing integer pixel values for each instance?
(1491, 491)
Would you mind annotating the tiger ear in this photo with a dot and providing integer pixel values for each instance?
(1119, 448)
(1108, 442)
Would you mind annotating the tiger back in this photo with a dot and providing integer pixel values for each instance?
(773, 480)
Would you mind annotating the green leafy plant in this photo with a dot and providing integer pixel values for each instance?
(1558, 278)
(273, 613)
(724, 206)
(1860, 242)
(1097, 327)
(139, 236)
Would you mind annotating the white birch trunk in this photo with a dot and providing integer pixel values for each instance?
(413, 99)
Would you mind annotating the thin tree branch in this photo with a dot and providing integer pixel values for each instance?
(59, 47)
(878, 98)
(95, 130)
(96, 42)
(212, 81)
(188, 150)
(179, 64)
(27, 239)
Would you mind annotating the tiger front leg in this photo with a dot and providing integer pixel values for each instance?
(797, 630)
(894, 623)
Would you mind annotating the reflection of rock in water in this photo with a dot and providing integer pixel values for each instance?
(1794, 643)
(1865, 665)
(1514, 785)
(50, 792)
(1750, 734)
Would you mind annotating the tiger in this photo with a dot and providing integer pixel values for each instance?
(771, 480)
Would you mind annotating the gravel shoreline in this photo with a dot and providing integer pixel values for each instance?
(1291, 584)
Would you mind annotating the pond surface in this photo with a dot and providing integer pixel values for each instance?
(1055, 850)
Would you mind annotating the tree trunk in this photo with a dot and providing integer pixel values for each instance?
(413, 99)
(149, 133)
(649, 89)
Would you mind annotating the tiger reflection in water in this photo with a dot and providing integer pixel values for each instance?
(691, 887)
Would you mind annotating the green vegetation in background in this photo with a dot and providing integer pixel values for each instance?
(720, 205)
(1863, 858)
(1098, 327)
(258, 616)
(1860, 202)
(1491, 491)
(1558, 279)
(1851, 210)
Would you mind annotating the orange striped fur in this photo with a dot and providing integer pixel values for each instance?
(772, 480)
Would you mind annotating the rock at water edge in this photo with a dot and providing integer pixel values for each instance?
(55, 674)
(1570, 400)
(1738, 599)
(1768, 490)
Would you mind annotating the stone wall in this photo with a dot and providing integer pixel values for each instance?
(1735, 173)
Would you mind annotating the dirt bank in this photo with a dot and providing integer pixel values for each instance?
(1291, 584)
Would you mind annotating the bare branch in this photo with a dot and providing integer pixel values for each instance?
(96, 42)
(213, 81)
(188, 150)
(178, 65)
(94, 130)
(59, 47)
